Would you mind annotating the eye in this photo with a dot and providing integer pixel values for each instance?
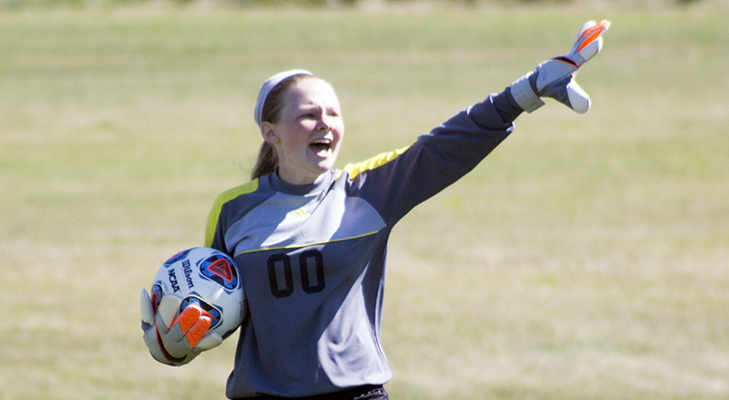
(307, 116)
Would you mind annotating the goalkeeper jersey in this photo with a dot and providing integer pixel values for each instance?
(312, 258)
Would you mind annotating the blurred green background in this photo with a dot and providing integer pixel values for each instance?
(586, 258)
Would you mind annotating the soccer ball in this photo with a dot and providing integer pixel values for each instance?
(208, 278)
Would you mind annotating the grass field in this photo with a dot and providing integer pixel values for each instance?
(586, 258)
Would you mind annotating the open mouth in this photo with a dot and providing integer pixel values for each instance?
(321, 146)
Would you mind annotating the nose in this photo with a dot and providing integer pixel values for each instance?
(323, 125)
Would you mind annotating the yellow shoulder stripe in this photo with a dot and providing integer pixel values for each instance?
(223, 198)
(374, 162)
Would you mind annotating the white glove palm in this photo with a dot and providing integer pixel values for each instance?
(555, 78)
(174, 339)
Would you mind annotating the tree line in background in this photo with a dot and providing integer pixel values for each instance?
(10, 4)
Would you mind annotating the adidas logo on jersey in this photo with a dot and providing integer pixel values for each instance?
(298, 214)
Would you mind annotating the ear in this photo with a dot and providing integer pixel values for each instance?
(268, 132)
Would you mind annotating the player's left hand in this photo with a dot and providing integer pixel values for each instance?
(554, 78)
(174, 339)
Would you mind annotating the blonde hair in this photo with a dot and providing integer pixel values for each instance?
(267, 160)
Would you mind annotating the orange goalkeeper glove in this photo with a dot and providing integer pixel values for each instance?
(174, 336)
(555, 78)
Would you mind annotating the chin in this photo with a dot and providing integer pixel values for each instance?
(325, 165)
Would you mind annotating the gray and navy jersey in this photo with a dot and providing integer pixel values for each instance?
(312, 258)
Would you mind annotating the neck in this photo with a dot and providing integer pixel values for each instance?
(299, 179)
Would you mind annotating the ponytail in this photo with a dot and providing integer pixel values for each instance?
(266, 162)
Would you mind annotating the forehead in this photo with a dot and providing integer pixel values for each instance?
(311, 91)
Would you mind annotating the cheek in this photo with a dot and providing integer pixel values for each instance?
(299, 135)
(339, 129)
(306, 126)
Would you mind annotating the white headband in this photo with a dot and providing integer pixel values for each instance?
(269, 85)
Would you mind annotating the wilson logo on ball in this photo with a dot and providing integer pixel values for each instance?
(219, 270)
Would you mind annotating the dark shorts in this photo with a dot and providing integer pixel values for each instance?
(368, 392)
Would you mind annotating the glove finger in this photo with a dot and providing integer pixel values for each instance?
(170, 333)
(579, 101)
(589, 41)
(208, 341)
(591, 32)
(189, 317)
(176, 332)
(196, 332)
(145, 304)
(579, 39)
(168, 308)
(587, 25)
(173, 340)
(186, 331)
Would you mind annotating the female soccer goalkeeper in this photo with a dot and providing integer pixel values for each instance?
(310, 240)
